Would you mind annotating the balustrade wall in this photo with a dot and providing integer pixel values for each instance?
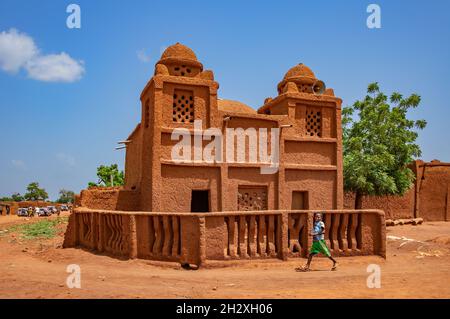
(198, 237)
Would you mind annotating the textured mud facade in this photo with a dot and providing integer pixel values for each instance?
(194, 211)
(181, 92)
(429, 198)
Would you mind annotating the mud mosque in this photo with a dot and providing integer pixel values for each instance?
(197, 211)
(310, 173)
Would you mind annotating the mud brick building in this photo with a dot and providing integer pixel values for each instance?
(310, 172)
(8, 208)
(196, 210)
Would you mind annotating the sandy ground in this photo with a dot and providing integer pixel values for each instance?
(413, 269)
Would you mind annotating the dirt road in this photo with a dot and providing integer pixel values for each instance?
(417, 266)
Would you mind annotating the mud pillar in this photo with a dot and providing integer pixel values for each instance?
(339, 193)
(373, 233)
(94, 224)
(190, 239)
(382, 235)
(132, 236)
(101, 233)
(202, 240)
(283, 240)
(418, 181)
(243, 237)
(308, 229)
(335, 219)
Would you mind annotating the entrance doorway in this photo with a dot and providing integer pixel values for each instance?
(200, 201)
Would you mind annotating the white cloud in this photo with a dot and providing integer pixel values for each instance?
(55, 68)
(19, 164)
(18, 51)
(142, 56)
(66, 159)
(15, 50)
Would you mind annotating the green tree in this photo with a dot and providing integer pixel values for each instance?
(107, 173)
(66, 196)
(17, 197)
(379, 143)
(35, 193)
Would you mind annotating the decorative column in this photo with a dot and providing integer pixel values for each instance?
(132, 236)
(202, 240)
(283, 238)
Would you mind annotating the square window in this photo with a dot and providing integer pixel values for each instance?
(252, 198)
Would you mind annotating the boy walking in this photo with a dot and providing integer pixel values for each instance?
(319, 245)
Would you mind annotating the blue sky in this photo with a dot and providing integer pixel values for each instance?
(58, 132)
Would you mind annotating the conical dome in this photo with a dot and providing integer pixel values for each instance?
(179, 54)
(304, 78)
(300, 70)
(179, 51)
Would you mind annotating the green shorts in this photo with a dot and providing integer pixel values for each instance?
(320, 247)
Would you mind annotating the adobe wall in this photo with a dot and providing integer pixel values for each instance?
(133, 159)
(250, 178)
(311, 153)
(178, 181)
(109, 198)
(77, 200)
(433, 183)
(395, 207)
(429, 198)
(12, 206)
